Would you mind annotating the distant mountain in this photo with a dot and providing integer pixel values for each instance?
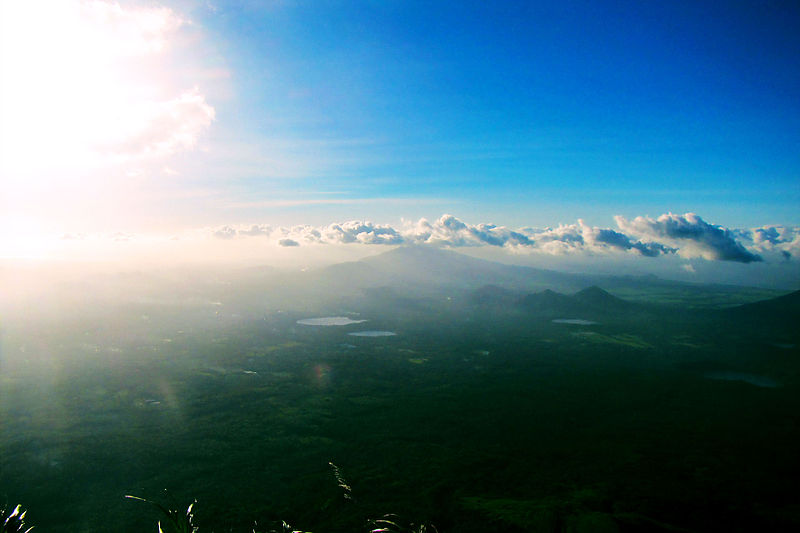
(781, 312)
(552, 303)
(428, 271)
(427, 267)
(590, 302)
(598, 299)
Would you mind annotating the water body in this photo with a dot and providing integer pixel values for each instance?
(329, 321)
(752, 379)
(579, 321)
(372, 333)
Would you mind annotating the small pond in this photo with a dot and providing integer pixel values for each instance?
(372, 333)
(329, 321)
(578, 321)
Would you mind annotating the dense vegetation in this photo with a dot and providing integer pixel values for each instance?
(481, 414)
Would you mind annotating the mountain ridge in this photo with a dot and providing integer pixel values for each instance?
(426, 270)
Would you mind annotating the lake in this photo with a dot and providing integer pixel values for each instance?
(329, 321)
(372, 333)
(578, 321)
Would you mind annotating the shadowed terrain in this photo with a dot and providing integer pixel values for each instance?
(508, 399)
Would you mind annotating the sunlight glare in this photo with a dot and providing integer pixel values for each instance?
(25, 239)
(82, 84)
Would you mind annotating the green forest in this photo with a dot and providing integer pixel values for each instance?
(471, 406)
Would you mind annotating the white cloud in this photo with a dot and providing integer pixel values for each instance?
(256, 230)
(691, 236)
(776, 240)
(225, 232)
(450, 231)
(164, 128)
(686, 235)
(604, 237)
(581, 237)
(121, 236)
(361, 232)
(132, 31)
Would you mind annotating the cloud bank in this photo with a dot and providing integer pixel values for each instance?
(688, 236)
(691, 235)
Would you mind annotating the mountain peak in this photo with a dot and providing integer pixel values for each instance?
(600, 298)
(549, 301)
(593, 292)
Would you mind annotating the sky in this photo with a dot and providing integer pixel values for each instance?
(661, 134)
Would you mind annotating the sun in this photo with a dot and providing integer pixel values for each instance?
(80, 80)
(88, 96)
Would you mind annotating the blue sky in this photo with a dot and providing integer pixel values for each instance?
(642, 129)
(532, 112)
